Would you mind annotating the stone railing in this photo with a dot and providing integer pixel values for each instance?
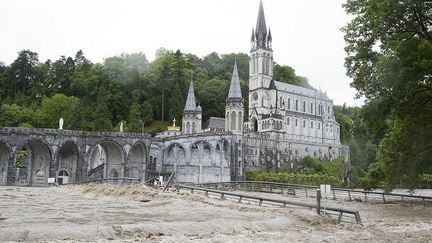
(201, 134)
(50, 131)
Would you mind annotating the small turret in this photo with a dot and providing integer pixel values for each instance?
(192, 115)
(234, 109)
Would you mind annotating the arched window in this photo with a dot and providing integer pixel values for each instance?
(296, 122)
(312, 109)
(288, 121)
(233, 121)
(240, 121)
(304, 106)
(227, 121)
(304, 123)
(193, 127)
(289, 103)
(253, 65)
(296, 105)
(187, 128)
(280, 101)
(328, 109)
(312, 126)
(267, 65)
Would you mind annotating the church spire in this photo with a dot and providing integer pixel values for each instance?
(190, 101)
(261, 28)
(261, 24)
(235, 91)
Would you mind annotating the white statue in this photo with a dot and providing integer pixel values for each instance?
(121, 126)
(61, 123)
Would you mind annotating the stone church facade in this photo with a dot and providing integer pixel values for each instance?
(284, 124)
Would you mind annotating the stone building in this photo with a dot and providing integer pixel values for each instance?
(284, 123)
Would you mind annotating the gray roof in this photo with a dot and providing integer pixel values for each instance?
(300, 90)
(235, 91)
(190, 101)
(215, 122)
(261, 28)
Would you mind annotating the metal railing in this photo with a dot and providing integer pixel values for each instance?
(336, 193)
(261, 200)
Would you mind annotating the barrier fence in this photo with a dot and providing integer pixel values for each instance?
(263, 200)
(307, 191)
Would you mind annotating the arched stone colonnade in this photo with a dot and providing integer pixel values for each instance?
(193, 158)
(31, 156)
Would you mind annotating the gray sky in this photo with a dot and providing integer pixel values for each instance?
(306, 34)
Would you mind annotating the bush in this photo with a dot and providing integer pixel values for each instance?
(425, 181)
(294, 178)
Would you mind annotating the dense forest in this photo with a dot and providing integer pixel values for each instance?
(125, 88)
(389, 58)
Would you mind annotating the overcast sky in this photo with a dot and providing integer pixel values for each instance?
(306, 34)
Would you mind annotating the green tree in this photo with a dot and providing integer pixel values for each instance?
(52, 109)
(23, 71)
(102, 120)
(15, 115)
(389, 47)
(147, 113)
(176, 104)
(135, 116)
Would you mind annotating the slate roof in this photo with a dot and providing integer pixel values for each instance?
(215, 122)
(235, 91)
(190, 101)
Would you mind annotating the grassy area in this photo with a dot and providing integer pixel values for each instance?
(157, 126)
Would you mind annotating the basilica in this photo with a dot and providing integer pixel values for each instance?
(282, 124)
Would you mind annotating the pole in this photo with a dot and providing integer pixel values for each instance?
(318, 198)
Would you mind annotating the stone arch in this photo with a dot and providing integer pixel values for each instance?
(136, 161)
(233, 121)
(174, 156)
(105, 156)
(201, 153)
(5, 153)
(222, 152)
(39, 158)
(67, 160)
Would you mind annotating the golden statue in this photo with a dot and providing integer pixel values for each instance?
(174, 128)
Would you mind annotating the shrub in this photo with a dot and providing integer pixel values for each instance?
(294, 178)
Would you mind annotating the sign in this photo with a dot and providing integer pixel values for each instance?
(325, 188)
(51, 180)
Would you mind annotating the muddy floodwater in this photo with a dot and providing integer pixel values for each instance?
(90, 213)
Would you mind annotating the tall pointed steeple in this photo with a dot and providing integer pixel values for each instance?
(261, 23)
(261, 28)
(190, 101)
(235, 91)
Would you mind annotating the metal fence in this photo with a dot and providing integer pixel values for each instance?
(263, 200)
(307, 191)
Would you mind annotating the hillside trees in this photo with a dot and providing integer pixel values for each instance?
(389, 47)
(103, 94)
